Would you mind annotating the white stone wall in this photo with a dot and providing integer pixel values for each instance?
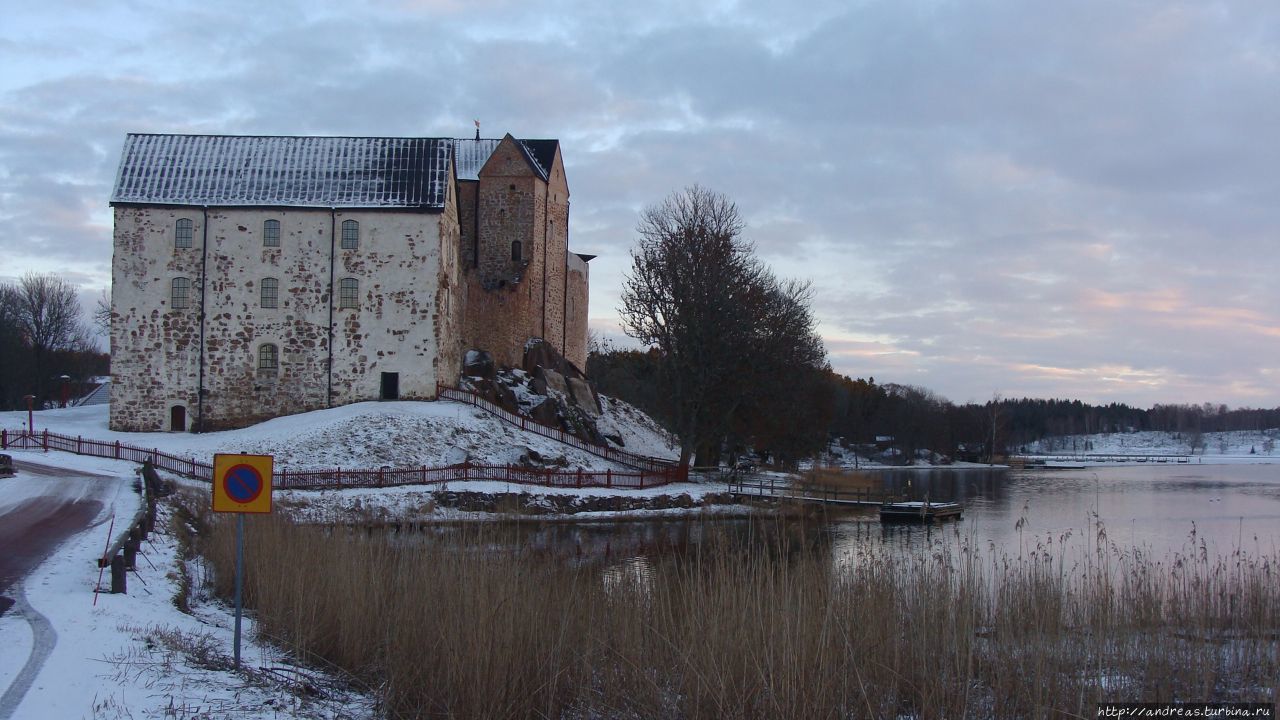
(401, 262)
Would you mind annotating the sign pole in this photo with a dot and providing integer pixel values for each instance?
(241, 484)
(239, 580)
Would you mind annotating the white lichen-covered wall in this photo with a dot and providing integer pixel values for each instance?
(406, 322)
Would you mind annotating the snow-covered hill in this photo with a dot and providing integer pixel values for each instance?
(370, 435)
(1235, 446)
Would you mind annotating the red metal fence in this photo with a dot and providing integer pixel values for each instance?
(622, 457)
(347, 478)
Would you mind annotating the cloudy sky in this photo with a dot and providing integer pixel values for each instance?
(1052, 199)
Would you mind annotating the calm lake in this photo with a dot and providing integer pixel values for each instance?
(1159, 510)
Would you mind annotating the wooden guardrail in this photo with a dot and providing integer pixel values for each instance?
(122, 553)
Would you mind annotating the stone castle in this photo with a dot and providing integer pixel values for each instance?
(257, 276)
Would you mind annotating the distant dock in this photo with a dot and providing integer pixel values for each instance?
(918, 511)
(893, 507)
(1072, 461)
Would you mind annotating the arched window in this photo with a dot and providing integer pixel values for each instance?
(270, 233)
(350, 234)
(182, 232)
(268, 358)
(517, 251)
(179, 293)
(270, 292)
(348, 293)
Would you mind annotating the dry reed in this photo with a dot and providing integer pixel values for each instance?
(466, 624)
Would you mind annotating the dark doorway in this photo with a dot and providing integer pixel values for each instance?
(390, 386)
(178, 418)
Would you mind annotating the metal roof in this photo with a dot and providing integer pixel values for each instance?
(236, 170)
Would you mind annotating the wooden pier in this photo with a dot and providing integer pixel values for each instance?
(893, 507)
(1077, 461)
(783, 489)
(920, 511)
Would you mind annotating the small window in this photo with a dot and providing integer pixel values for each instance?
(271, 233)
(182, 233)
(348, 293)
(517, 253)
(180, 293)
(268, 358)
(270, 292)
(350, 234)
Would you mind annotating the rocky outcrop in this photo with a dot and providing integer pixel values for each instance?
(547, 389)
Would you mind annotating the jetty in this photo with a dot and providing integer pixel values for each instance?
(894, 507)
(1078, 461)
(919, 511)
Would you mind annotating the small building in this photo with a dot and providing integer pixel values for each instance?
(259, 276)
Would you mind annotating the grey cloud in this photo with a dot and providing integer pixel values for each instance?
(996, 186)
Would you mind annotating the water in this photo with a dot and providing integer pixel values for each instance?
(1160, 510)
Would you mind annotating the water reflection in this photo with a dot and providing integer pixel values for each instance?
(1155, 510)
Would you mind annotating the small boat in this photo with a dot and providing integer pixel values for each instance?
(918, 511)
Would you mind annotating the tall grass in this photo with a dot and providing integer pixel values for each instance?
(467, 624)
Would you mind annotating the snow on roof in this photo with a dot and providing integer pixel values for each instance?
(471, 155)
(232, 170)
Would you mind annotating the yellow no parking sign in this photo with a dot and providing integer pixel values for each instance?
(242, 483)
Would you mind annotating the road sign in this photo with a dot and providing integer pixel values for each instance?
(242, 483)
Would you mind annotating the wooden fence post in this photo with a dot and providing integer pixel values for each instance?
(4, 439)
(131, 549)
(119, 582)
(117, 457)
(46, 439)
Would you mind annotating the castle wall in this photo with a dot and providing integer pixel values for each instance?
(578, 278)
(530, 297)
(555, 228)
(468, 195)
(155, 347)
(451, 296)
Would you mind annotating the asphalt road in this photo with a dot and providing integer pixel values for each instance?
(67, 502)
(53, 504)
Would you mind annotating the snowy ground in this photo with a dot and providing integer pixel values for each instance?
(394, 435)
(1251, 446)
(136, 655)
(417, 503)
(364, 435)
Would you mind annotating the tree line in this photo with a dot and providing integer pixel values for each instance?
(826, 406)
(43, 337)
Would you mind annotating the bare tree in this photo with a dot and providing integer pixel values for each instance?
(48, 315)
(102, 314)
(718, 318)
(14, 358)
